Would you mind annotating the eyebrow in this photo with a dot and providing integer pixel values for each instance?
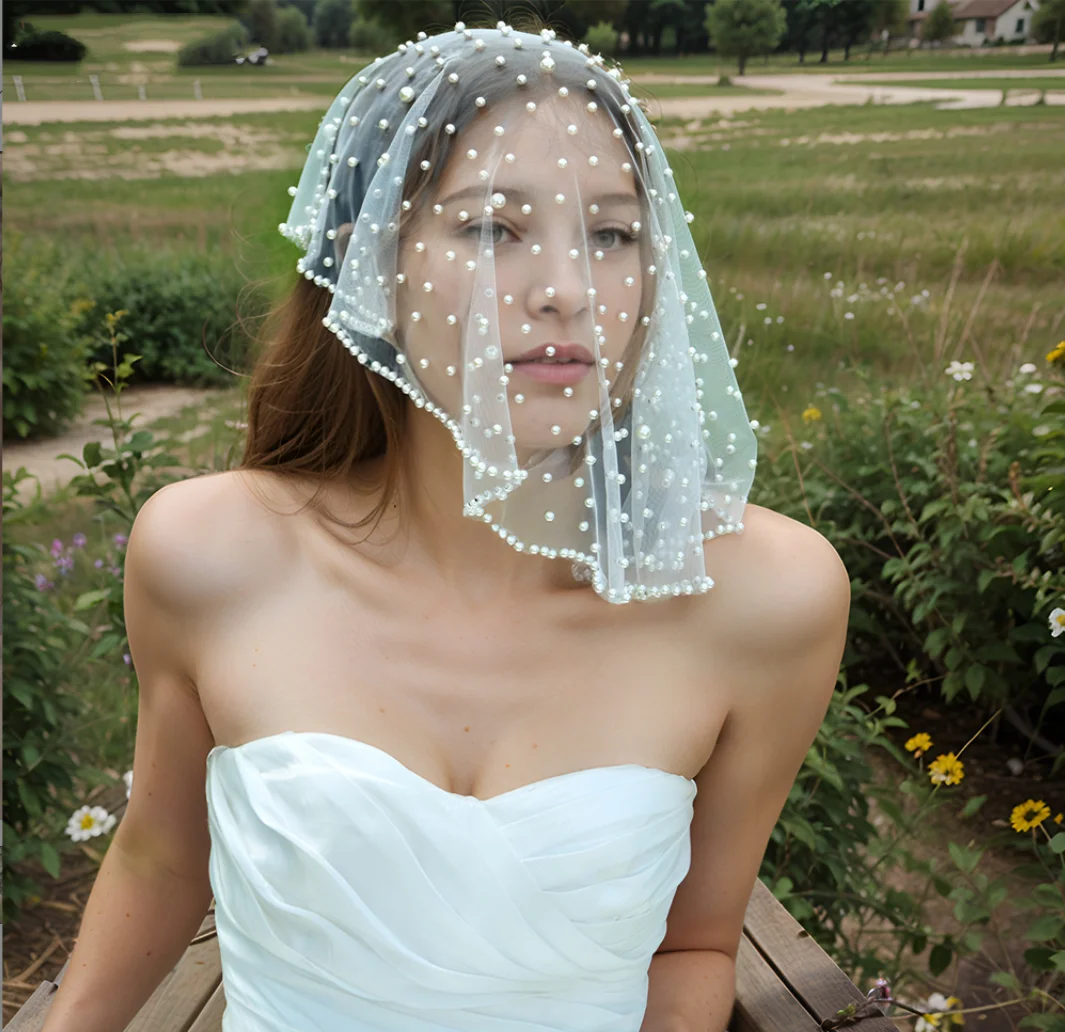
(522, 196)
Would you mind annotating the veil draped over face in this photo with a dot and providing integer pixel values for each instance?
(502, 236)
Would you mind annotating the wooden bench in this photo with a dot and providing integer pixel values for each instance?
(785, 982)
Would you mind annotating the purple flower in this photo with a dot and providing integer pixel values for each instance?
(43, 583)
(120, 540)
(57, 548)
(65, 563)
(79, 540)
(116, 571)
(98, 564)
(125, 658)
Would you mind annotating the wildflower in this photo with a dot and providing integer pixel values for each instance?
(1029, 815)
(79, 540)
(128, 779)
(919, 744)
(1057, 621)
(1028, 368)
(1033, 388)
(120, 540)
(938, 1016)
(848, 315)
(946, 769)
(1057, 356)
(89, 821)
(1058, 817)
(126, 658)
(57, 548)
(65, 563)
(960, 370)
(98, 563)
(42, 583)
(811, 414)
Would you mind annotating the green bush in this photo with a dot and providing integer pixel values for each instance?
(293, 35)
(38, 641)
(218, 49)
(179, 307)
(48, 46)
(370, 37)
(45, 356)
(602, 39)
(947, 504)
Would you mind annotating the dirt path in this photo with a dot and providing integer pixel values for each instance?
(40, 457)
(799, 90)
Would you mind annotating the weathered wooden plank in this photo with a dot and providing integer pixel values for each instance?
(210, 1018)
(763, 1002)
(31, 1015)
(182, 995)
(808, 972)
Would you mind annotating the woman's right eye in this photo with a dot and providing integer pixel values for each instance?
(498, 229)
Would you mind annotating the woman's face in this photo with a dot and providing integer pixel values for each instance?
(564, 227)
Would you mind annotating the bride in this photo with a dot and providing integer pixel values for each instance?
(473, 695)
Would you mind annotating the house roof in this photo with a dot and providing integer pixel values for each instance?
(982, 8)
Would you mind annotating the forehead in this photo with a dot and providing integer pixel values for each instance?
(558, 143)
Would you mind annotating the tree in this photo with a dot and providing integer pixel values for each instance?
(1048, 25)
(293, 33)
(939, 25)
(261, 21)
(331, 21)
(743, 28)
(405, 20)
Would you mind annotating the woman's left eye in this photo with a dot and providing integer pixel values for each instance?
(609, 237)
(497, 234)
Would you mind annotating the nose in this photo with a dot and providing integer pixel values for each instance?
(558, 282)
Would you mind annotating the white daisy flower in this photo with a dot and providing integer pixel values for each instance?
(960, 370)
(1033, 388)
(1027, 368)
(89, 821)
(1057, 621)
(128, 779)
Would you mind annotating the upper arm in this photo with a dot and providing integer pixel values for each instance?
(177, 566)
(788, 654)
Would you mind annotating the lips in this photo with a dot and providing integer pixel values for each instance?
(563, 353)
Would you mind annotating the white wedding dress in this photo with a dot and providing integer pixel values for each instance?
(353, 895)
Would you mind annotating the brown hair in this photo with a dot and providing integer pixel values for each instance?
(313, 409)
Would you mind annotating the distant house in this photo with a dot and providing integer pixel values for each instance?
(984, 21)
(980, 21)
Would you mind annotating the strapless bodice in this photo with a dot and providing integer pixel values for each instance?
(354, 895)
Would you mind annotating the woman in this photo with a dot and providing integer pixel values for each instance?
(473, 696)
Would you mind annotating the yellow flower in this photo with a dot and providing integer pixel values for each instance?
(813, 413)
(1059, 817)
(919, 744)
(1029, 814)
(1058, 354)
(946, 769)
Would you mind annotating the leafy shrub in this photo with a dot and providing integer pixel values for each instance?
(179, 307)
(602, 39)
(48, 46)
(218, 49)
(947, 506)
(38, 640)
(45, 356)
(369, 37)
(293, 35)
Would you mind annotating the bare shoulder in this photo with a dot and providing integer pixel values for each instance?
(208, 536)
(783, 579)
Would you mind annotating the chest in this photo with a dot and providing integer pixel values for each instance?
(475, 702)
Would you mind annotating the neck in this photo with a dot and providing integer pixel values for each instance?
(470, 559)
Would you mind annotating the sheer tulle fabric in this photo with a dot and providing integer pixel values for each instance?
(352, 895)
(652, 454)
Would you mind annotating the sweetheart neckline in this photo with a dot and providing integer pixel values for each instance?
(432, 784)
